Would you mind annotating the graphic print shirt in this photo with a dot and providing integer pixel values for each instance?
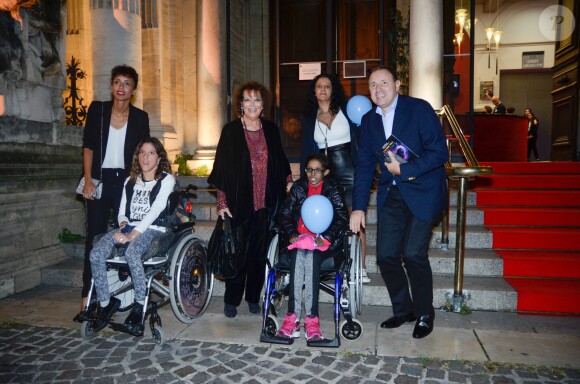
(142, 212)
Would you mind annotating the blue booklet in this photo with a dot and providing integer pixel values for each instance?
(402, 153)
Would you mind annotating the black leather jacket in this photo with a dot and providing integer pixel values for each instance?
(290, 211)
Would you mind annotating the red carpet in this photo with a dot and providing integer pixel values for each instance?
(533, 211)
(545, 295)
(528, 263)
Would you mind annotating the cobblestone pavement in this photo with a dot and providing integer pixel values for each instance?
(31, 354)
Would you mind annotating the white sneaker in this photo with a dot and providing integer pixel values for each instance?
(365, 277)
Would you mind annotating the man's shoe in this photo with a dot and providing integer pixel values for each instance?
(397, 321)
(133, 321)
(424, 326)
(105, 314)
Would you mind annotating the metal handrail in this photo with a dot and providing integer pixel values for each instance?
(462, 174)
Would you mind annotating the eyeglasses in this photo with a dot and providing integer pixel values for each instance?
(249, 101)
(316, 171)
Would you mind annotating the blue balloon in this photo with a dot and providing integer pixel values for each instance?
(357, 106)
(317, 213)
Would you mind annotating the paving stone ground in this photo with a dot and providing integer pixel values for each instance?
(30, 354)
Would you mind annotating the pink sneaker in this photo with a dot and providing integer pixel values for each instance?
(290, 328)
(312, 326)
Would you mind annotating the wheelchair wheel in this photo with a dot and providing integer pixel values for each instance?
(351, 332)
(118, 281)
(279, 301)
(271, 326)
(87, 331)
(158, 335)
(356, 269)
(191, 282)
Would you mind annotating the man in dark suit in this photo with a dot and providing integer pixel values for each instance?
(411, 196)
(499, 108)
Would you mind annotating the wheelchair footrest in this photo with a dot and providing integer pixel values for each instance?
(265, 338)
(325, 343)
(134, 330)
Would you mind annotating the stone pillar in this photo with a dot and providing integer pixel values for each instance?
(426, 51)
(116, 33)
(211, 83)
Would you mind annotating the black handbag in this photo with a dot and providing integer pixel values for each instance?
(227, 248)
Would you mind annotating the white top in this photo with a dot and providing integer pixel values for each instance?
(338, 134)
(115, 153)
(388, 117)
(142, 216)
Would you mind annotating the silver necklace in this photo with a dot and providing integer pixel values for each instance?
(322, 133)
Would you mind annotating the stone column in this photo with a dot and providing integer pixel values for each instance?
(116, 35)
(211, 68)
(426, 51)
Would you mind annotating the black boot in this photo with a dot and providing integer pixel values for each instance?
(105, 314)
(133, 322)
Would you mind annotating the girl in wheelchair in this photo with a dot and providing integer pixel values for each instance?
(306, 256)
(144, 198)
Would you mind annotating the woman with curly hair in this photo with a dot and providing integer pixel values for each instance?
(328, 129)
(140, 218)
(251, 174)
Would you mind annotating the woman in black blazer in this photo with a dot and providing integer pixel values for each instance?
(327, 128)
(112, 131)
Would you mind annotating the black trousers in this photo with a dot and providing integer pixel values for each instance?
(532, 147)
(98, 213)
(250, 279)
(402, 244)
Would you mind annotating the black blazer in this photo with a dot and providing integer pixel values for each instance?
(499, 109)
(422, 182)
(137, 130)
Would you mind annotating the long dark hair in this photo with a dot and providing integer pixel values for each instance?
(337, 98)
(163, 166)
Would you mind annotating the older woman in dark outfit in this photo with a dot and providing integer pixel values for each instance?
(328, 129)
(112, 131)
(251, 174)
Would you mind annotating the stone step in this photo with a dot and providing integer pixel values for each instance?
(208, 211)
(477, 263)
(487, 293)
(476, 237)
(473, 216)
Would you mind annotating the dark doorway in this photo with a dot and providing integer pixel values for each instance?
(522, 89)
(329, 33)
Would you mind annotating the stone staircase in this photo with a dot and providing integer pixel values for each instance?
(482, 273)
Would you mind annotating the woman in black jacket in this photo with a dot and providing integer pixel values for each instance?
(251, 174)
(533, 125)
(328, 129)
(112, 131)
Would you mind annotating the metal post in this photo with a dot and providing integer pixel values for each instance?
(458, 296)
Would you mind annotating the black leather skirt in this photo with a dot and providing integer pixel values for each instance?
(341, 168)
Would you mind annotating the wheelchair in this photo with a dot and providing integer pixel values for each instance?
(176, 270)
(340, 276)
